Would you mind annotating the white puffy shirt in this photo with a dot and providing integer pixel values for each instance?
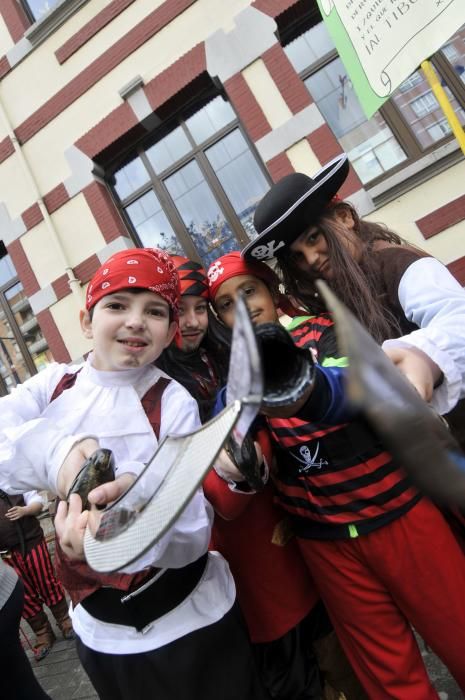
(433, 299)
(35, 437)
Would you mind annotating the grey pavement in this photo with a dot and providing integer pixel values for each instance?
(63, 678)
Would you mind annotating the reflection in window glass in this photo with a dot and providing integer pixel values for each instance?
(309, 47)
(202, 216)
(30, 331)
(168, 150)
(38, 8)
(130, 178)
(152, 225)
(369, 143)
(240, 176)
(454, 51)
(210, 119)
(7, 270)
(421, 110)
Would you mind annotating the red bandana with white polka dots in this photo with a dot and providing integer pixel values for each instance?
(142, 268)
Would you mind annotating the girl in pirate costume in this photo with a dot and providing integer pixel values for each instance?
(179, 636)
(383, 556)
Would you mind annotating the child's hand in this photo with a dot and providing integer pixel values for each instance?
(70, 525)
(15, 513)
(109, 492)
(73, 463)
(417, 367)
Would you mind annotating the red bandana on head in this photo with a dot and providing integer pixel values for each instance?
(233, 265)
(193, 279)
(142, 268)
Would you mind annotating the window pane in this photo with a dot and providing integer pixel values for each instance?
(40, 7)
(421, 111)
(30, 330)
(152, 225)
(309, 47)
(454, 51)
(210, 119)
(202, 216)
(240, 176)
(130, 178)
(7, 270)
(170, 149)
(370, 144)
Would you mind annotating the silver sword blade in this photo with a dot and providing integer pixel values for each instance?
(127, 530)
(415, 435)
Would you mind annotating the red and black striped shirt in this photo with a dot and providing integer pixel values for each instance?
(337, 481)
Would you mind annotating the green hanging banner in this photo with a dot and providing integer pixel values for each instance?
(381, 42)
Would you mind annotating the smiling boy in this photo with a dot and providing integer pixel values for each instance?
(183, 639)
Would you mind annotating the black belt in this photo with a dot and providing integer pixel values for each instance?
(149, 601)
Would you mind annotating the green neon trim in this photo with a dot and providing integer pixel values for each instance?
(353, 532)
(296, 321)
(335, 362)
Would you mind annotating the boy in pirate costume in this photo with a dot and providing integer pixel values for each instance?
(184, 640)
(198, 356)
(24, 548)
(370, 539)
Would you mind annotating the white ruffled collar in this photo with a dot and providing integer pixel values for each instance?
(125, 377)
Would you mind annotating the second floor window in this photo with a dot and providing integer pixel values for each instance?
(38, 8)
(194, 190)
(407, 126)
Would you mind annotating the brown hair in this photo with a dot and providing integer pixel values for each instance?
(355, 282)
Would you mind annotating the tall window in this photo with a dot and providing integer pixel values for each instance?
(23, 348)
(37, 8)
(194, 190)
(407, 126)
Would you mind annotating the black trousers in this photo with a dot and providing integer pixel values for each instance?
(213, 663)
(17, 677)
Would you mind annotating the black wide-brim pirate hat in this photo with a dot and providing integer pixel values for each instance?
(291, 206)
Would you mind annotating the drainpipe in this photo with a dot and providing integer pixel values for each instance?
(74, 283)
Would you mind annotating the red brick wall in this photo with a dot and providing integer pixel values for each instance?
(85, 270)
(55, 199)
(23, 268)
(61, 287)
(4, 66)
(91, 28)
(288, 82)
(279, 166)
(32, 216)
(247, 107)
(457, 268)
(273, 8)
(101, 66)
(436, 221)
(172, 80)
(6, 148)
(15, 18)
(53, 337)
(104, 211)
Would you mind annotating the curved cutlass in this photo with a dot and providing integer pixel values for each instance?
(416, 436)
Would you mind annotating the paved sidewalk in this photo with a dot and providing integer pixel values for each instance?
(63, 678)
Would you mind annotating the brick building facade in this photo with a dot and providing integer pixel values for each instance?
(154, 122)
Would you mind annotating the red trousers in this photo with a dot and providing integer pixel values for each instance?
(38, 576)
(375, 587)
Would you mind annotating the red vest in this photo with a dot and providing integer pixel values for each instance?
(75, 575)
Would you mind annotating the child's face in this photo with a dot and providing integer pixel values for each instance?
(258, 297)
(193, 321)
(128, 330)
